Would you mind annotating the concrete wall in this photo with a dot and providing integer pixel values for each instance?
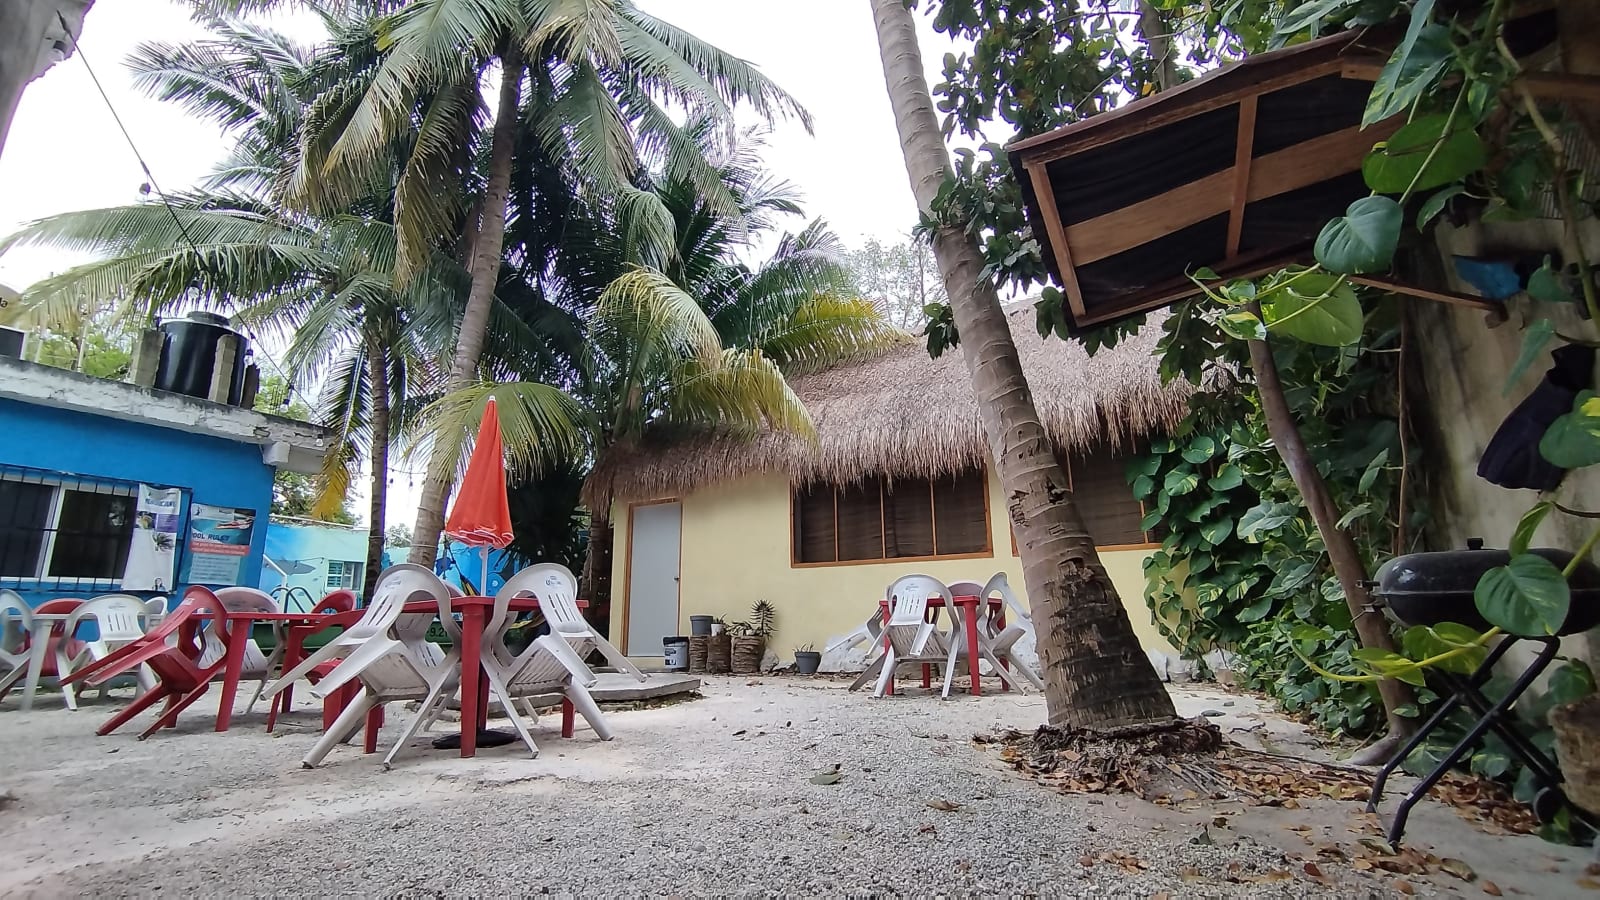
(1463, 360)
(29, 30)
(736, 550)
(213, 470)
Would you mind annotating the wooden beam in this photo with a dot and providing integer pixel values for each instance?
(1547, 85)
(1289, 169)
(1059, 243)
(1454, 298)
(1168, 107)
(1165, 293)
(1243, 152)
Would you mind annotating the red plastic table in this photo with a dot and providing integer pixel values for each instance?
(475, 690)
(294, 651)
(968, 605)
(239, 625)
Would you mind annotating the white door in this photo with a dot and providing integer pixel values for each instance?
(653, 577)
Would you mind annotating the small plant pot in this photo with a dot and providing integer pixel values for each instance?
(807, 661)
(1577, 733)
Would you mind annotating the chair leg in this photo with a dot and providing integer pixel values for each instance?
(566, 717)
(580, 698)
(369, 744)
(868, 674)
(411, 729)
(949, 675)
(139, 705)
(63, 669)
(347, 722)
(169, 716)
(498, 689)
(886, 677)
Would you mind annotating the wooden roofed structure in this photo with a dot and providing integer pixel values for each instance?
(1236, 171)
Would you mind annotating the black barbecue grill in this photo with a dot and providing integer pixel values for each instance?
(1431, 588)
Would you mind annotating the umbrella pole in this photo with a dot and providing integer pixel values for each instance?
(484, 584)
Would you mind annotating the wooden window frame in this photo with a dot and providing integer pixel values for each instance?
(988, 531)
(1144, 510)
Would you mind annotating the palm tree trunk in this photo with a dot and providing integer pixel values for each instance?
(595, 585)
(1370, 626)
(486, 254)
(1157, 35)
(378, 376)
(1096, 674)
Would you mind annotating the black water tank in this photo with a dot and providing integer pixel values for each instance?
(189, 356)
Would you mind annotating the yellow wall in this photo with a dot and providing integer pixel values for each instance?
(736, 551)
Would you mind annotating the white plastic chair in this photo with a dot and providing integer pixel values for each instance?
(388, 652)
(994, 643)
(155, 609)
(119, 619)
(557, 590)
(257, 664)
(911, 638)
(870, 631)
(550, 665)
(16, 628)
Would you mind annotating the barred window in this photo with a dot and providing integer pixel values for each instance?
(343, 574)
(63, 533)
(881, 519)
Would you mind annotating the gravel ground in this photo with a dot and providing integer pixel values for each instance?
(707, 797)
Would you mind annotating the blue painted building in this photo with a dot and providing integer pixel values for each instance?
(107, 486)
(305, 560)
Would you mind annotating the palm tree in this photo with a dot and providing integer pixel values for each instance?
(697, 339)
(600, 77)
(327, 283)
(1095, 673)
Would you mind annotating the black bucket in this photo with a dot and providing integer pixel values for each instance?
(700, 625)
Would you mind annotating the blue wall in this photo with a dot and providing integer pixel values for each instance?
(310, 546)
(213, 470)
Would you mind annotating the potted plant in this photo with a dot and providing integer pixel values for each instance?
(750, 638)
(719, 648)
(806, 659)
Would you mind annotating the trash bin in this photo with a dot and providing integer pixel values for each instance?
(676, 651)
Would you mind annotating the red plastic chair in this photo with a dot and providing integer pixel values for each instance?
(334, 604)
(180, 677)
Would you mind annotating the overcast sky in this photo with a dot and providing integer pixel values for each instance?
(65, 152)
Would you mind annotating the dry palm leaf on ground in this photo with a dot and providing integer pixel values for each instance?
(1190, 760)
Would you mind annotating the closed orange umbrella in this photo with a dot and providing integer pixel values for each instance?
(481, 515)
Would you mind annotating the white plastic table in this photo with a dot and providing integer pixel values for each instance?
(38, 646)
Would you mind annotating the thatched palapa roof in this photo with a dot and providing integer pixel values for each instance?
(906, 415)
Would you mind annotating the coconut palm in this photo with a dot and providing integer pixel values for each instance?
(600, 78)
(1095, 673)
(697, 339)
(325, 284)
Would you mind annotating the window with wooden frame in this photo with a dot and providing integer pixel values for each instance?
(1099, 482)
(882, 519)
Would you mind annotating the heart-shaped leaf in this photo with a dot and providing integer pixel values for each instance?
(1418, 60)
(1181, 481)
(1573, 440)
(1422, 155)
(1362, 240)
(1227, 478)
(1315, 308)
(1422, 642)
(1217, 530)
(1260, 521)
(1534, 340)
(1243, 326)
(1546, 284)
(1200, 449)
(1522, 537)
(1436, 203)
(1527, 596)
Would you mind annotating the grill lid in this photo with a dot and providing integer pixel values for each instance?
(1429, 588)
(1456, 572)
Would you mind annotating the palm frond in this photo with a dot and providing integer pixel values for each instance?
(826, 331)
(741, 391)
(645, 315)
(541, 426)
(577, 30)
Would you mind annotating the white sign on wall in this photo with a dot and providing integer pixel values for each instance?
(153, 554)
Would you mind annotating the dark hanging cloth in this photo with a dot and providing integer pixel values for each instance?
(1512, 459)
